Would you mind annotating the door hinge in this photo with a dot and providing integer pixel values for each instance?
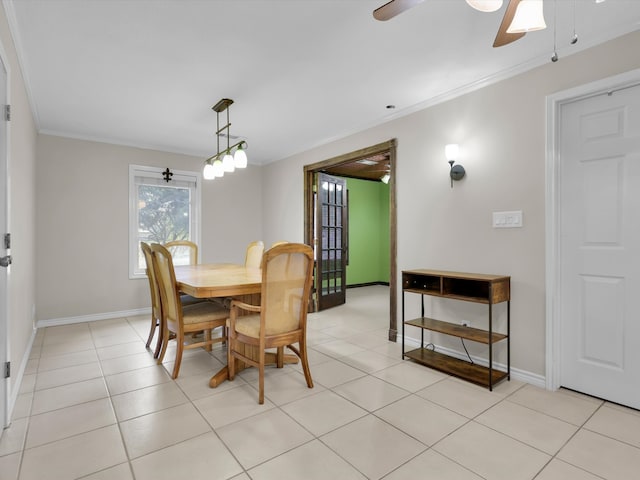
(7, 113)
(7, 369)
(7, 241)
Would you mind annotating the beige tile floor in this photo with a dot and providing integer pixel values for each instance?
(94, 405)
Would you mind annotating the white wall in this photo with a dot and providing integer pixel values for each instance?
(83, 223)
(22, 141)
(501, 131)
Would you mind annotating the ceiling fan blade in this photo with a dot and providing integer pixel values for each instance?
(393, 8)
(504, 38)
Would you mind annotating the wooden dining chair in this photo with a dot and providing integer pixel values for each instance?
(281, 318)
(156, 305)
(179, 319)
(253, 257)
(183, 248)
(278, 242)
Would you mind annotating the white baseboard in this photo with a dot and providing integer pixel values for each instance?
(52, 322)
(516, 373)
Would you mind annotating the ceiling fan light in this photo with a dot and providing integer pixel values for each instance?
(385, 178)
(208, 172)
(227, 163)
(485, 5)
(240, 158)
(529, 17)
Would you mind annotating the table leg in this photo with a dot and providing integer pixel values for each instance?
(218, 378)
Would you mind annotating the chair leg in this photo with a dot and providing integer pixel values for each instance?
(231, 361)
(165, 341)
(179, 351)
(280, 357)
(305, 364)
(261, 378)
(152, 331)
(207, 338)
(160, 340)
(156, 352)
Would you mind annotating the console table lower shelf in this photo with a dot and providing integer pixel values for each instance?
(472, 372)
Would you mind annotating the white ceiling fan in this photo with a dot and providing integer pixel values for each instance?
(503, 37)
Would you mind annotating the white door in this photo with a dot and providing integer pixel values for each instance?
(4, 272)
(599, 227)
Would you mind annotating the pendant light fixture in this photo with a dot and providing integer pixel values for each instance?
(529, 17)
(224, 161)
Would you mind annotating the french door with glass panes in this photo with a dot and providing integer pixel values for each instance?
(331, 238)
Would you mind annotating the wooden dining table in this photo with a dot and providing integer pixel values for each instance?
(224, 280)
(218, 280)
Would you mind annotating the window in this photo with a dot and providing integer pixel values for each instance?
(160, 211)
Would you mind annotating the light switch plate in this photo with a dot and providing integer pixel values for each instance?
(511, 219)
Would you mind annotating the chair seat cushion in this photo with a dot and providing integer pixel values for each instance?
(249, 325)
(203, 312)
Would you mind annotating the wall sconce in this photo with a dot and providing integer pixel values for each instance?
(456, 172)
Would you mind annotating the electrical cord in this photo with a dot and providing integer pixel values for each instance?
(465, 349)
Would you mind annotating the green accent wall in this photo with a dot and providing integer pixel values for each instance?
(368, 232)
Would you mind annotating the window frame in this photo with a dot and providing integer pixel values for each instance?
(156, 173)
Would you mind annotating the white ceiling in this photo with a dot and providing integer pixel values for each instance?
(301, 72)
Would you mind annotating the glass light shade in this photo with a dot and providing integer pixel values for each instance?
(227, 163)
(451, 151)
(208, 172)
(485, 5)
(240, 158)
(385, 178)
(218, 170)
(529, 17)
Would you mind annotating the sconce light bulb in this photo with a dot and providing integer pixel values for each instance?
(451, 152)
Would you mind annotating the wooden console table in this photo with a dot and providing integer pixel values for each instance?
(468, 287)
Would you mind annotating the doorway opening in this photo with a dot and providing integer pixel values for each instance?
(382, 160)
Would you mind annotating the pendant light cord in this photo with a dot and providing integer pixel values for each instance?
(554, 57)
(574, 39)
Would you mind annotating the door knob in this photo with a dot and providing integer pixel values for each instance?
(5, 261)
